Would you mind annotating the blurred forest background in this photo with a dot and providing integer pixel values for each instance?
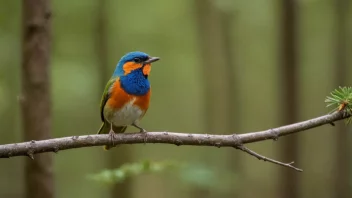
(227, 66)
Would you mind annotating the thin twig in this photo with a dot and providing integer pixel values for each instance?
(261, 157)
(54, 145)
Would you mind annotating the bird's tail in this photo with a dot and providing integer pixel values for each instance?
(105, 129)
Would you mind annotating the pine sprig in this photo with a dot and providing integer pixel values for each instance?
(341, 100)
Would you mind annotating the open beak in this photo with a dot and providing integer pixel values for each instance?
(151, 60)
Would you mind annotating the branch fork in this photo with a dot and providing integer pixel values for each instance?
(237, 141)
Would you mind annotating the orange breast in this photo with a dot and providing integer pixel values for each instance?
(143, 101)
(119, 98)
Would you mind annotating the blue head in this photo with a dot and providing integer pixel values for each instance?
(132, 61)
(133, 70)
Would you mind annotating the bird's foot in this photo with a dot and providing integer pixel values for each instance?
(144, 132)
(112, 137)
(141, 130)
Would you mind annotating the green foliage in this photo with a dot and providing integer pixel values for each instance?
(204, 177)
(198, 175)
(190, 174)
(132, 169)
(341, 100)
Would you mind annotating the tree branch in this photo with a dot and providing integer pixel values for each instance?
(233, 140)
(261, 157)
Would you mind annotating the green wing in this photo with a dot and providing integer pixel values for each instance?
(105, 97)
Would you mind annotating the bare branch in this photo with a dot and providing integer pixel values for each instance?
(233, 140)
(261, 157)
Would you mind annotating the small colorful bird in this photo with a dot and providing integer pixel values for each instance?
(126, 95)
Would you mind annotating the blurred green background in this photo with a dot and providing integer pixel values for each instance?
(220, 72)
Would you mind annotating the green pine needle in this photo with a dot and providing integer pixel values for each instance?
(341, 100)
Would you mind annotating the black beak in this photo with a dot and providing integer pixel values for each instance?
(151, 60)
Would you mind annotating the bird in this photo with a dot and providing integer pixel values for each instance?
(126, 96)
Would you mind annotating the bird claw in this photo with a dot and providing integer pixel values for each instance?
(144, 132)
(141, 130)
(112, 137)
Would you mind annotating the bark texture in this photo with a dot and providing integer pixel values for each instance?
(35, 98)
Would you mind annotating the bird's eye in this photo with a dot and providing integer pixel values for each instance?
(137, 60)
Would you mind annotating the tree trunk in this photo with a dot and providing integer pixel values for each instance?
(36, 99)
(118, 155)
(233, 110)
(289, 179)
(217, 67)
(342, 161)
